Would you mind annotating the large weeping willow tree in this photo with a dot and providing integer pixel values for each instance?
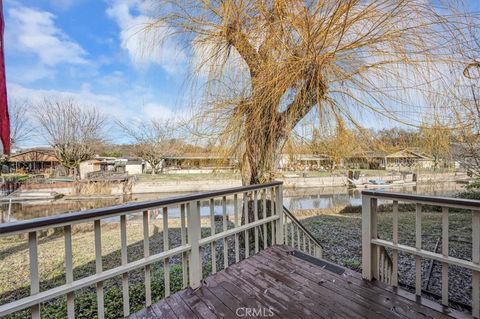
(264, 65)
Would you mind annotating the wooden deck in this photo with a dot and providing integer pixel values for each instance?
(277, 283)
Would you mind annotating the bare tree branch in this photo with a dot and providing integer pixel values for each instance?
(21, 127)
(153, 141)
(72, 130)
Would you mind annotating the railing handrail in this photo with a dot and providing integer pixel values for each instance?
(265, 229)
(299, 224)
(376, 266)
(100, 213)
(425, 199)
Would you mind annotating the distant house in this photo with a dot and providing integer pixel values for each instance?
(302, 162)
(35, 160)
(366, 160)
(89, 166)
(131, 166)
(407, 159)
(134, 166)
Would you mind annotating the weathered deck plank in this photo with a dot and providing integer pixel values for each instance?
(284, 286)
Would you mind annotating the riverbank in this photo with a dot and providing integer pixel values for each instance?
(330, 199)
(167, 185)
(183, 183)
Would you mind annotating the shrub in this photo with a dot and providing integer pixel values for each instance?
(475, 185)
(470, 194)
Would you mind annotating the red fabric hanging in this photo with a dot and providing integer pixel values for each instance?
(4, 118)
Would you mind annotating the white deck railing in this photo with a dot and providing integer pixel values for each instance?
(267, 230)
(298, 237)
(376, 263)
(264, 227)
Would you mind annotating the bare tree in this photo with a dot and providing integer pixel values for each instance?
(265, 65)
(21, 126)
(153, 141)
(72, 130)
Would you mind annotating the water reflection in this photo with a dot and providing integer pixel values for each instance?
(338, 197)
(294, 199)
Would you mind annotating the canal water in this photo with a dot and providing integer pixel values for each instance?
(294, 199)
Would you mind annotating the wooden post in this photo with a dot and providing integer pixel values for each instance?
(124, 256)
(146, 253)
(369, 231)
(476, 260)
(318, 251)
(166, 247)
(34, 275)
(445, 254)
(418, 246)
(225, 228)
(395, 242)
(99, 268)
(255, 218)
(69, 270)
(237, 224)
(264, 215)
(213, 245)
(279, 212)
(183, 235)
(195, 265)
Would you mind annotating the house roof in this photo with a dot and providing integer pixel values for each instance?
(410, 153)
(40, 154)
(134, 162)
(196, 157)
(92, 161)
(312, 157)
(368, 154)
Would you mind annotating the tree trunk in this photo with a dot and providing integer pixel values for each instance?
(263, 148)
(259, 160)
(153, 166)
(258, 166)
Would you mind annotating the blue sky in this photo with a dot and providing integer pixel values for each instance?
(90, 51)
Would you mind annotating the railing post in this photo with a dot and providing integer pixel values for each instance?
(476, 260)
(194, 234)
(279, 212)
(34, 275)
(369, 231)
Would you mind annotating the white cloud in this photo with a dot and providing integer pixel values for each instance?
(145, 47)
(34, 31)
(119, 106)
(64, 5)
(29, 73)
(157, 111)
(107, 104)
(112, 79)
(127, 106)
